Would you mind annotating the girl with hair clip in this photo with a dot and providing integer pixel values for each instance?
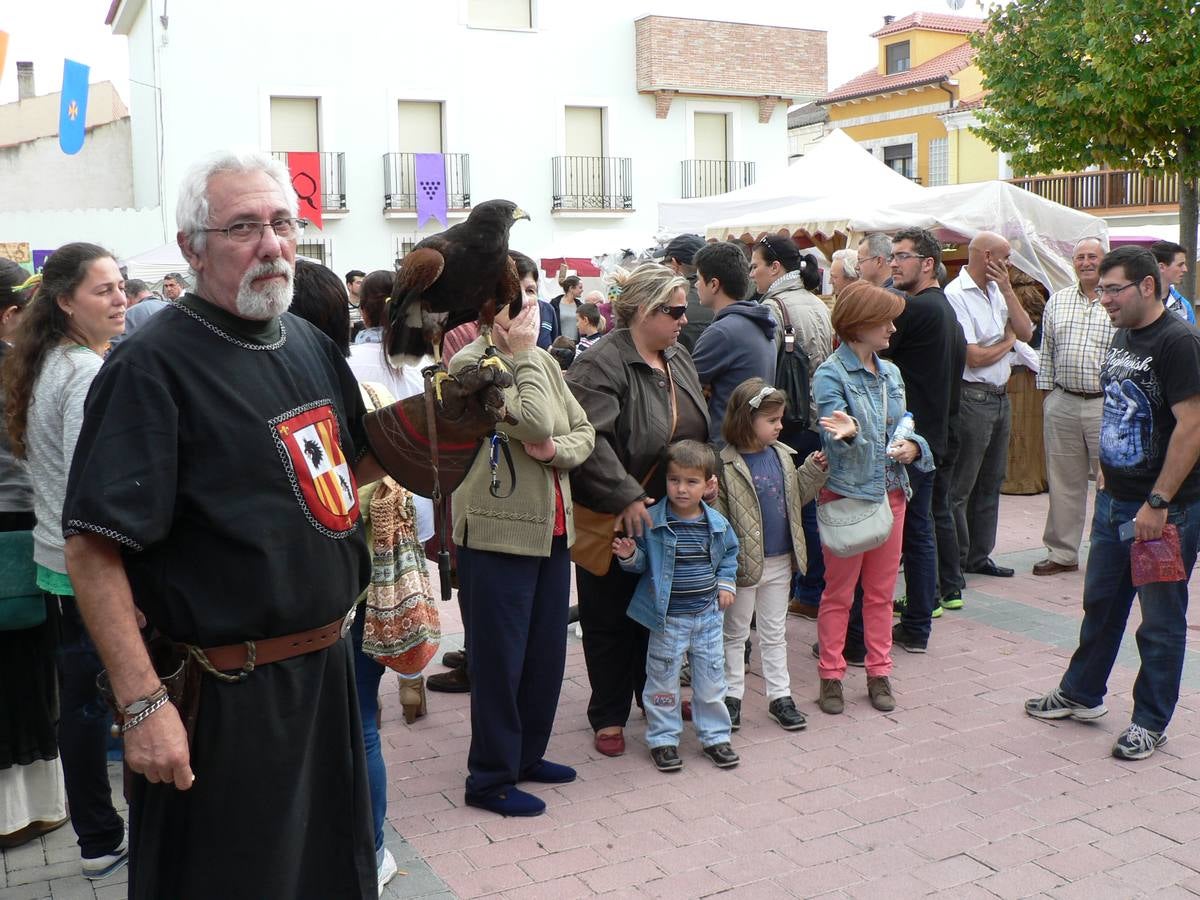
(761, 494)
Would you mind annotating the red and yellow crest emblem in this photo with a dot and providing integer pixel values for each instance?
(318, 467)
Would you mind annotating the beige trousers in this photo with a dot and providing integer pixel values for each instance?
(1071, 428)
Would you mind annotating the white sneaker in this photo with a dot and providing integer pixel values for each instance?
(387, 869)
(103, 866)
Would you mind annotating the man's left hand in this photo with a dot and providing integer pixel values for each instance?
(1148, 525)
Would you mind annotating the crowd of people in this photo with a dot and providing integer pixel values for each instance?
(715, 445)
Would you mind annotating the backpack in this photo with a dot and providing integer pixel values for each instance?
(792, 376)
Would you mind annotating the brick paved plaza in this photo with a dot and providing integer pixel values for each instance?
(957, 793)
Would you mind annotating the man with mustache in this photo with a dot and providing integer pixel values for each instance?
(1076, 332)
(214, 493)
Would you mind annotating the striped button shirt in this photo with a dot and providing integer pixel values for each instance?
(1076, 333)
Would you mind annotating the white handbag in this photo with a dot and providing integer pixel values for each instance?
(850, 526)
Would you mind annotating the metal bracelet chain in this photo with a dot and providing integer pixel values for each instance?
(146, 713)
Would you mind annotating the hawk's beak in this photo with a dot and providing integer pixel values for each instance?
(519, 213)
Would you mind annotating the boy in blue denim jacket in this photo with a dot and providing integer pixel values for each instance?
(688, 561)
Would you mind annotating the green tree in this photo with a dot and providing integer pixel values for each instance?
(1075, 83)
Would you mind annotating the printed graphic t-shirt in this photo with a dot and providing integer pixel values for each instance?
(1147, 371)
(768, 485)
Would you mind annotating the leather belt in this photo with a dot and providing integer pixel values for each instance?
(251, 654)
(986, 387)
(1086, 395)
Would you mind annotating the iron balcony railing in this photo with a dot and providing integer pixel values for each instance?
(1115, 189)
(333, 179)
(592, 182)
(400, 181)
(706, 177)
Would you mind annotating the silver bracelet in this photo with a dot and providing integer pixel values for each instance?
(137, 719)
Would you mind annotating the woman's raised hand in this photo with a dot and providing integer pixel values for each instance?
(840, 425)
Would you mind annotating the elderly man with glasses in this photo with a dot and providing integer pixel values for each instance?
(214, 493)
(874, 258)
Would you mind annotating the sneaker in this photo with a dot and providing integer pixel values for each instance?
(937, 612)
(734, 705)
(831, 700)
(666, 759)
(1137, 742)
(386, 870)
(898, 606)
(857, 661)
(783, 710)
(906, 639)
(879, 691)
(952, 601)
(103, 866)
(1056, 705)
(722, 755)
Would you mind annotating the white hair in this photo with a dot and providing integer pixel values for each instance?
(192, 213)
(878, 244)
(849, 260)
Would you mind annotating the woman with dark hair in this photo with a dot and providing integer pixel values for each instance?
(566, 306)
(783, 275)
(31, 779)
(57, 351)
(640, 391)
(861, 401)
(319, 297)
(373, 295)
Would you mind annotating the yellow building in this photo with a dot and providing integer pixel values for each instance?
(913, 110)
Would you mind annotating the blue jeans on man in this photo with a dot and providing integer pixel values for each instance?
(808, 586)
(1108, 594)
(699, 635)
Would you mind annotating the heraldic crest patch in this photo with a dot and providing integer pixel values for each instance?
(321, 478)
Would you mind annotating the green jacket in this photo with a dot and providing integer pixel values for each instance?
(737, 501)
(523, 524)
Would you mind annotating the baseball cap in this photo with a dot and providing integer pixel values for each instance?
(681, 248)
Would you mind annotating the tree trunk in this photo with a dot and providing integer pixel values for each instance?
(1187, 231)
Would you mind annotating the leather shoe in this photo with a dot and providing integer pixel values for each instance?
(1050, 567)
(722, 755)
(454, 659)
(666, 759)
(545, 772)
(990, 568)
(802, 610)
(456, 681)
(611, 744)
(513, 802)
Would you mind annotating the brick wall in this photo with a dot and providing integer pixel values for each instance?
(696, 56)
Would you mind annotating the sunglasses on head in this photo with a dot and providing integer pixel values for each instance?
(675, 312)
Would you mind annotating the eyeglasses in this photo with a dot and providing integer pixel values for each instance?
(675, 312)
(1113, 289)
(863, 259)
(246, 232)
(904, 257)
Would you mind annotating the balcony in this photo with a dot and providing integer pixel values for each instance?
(1117, 192)
(400, 183)
(706, 177)
(591, 185)
(333, 182)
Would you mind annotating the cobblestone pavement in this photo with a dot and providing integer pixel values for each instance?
(957, 793)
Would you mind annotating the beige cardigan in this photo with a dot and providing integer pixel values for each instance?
(738, 502)
(523, 524)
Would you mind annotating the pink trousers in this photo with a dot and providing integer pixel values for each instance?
(877, 569)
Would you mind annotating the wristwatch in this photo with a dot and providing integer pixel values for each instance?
(1157, 501)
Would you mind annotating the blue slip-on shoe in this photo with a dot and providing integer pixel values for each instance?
(512, 802)
(545, 772)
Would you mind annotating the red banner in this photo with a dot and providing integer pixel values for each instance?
(305, 169)
(583, 267)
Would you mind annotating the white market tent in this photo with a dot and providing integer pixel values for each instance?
(836, 165)
(1042, 233)
(153, 265)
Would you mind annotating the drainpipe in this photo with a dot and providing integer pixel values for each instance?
(944, 85)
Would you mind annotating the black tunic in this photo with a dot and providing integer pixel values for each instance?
(217, 452)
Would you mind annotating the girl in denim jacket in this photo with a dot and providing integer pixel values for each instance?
(860, 398)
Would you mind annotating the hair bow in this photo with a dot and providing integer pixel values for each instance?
(756, 401)
(30, 282)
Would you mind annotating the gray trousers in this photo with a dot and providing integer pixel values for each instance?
(984, 421)
(1071, 426)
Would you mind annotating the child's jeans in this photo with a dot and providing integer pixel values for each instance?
(697, 634)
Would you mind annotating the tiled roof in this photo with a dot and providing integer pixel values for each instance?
(932, 71)
(931, 21)
(976, 102)
(808, 114)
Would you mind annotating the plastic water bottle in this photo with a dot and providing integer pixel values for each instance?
(903, 432)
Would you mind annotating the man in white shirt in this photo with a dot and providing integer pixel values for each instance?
(992, 320)
(1076, 333)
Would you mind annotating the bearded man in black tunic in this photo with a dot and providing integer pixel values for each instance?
(214, 490)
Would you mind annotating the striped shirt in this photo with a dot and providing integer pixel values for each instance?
(1076, 333)
(694, 584)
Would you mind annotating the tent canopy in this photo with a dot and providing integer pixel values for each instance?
(1043, 233)
(836, 166)
(152, 266)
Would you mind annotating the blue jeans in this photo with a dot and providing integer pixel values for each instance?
(367, 674)
(1108, 594)
(920, 556)
(700, 636)
(808, 586)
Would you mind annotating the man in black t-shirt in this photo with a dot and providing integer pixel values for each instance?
(1149, 446)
